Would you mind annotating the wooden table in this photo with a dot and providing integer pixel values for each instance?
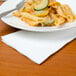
(12, 63)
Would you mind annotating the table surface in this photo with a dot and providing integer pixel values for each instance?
(12, 63)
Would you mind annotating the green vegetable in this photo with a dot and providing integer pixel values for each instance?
(41, 6)
(39, 24)
(49, 23)
(42, 13)
(23, 8)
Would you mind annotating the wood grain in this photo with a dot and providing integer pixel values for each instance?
(12, 63)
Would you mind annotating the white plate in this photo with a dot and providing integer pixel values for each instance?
(17, 23)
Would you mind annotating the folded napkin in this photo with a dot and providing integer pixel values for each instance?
(39, 46)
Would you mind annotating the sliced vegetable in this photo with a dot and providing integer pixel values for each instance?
(49, 23)
(23, 9)
(39, 24)
(42, 5)
(42, 13)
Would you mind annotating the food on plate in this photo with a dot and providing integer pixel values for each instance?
(45, 13)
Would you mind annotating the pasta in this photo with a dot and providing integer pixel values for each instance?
(45, 13)
(68, 13)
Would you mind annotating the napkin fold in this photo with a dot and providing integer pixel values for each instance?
(39, 46)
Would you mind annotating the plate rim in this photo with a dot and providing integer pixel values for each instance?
(35, 30)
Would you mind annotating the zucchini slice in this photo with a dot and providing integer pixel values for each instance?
(49, 23)
(43, 4)
(42, 13)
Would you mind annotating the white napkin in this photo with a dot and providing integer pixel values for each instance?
(39, 46)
